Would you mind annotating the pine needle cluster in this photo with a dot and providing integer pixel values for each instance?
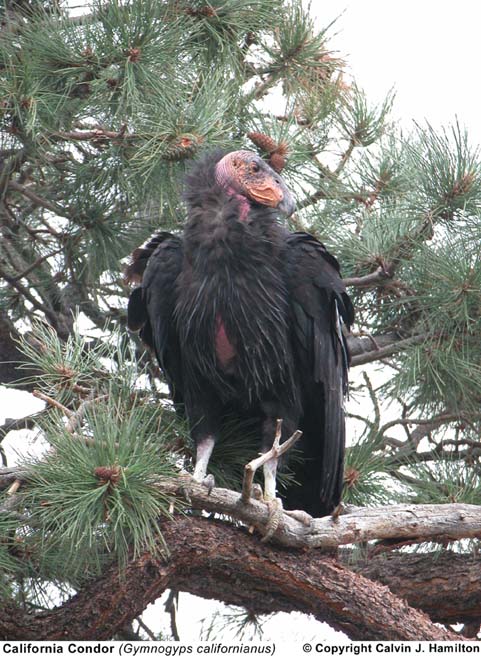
(94, 497)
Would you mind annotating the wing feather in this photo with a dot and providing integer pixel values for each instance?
(319, 306)
(151, 306)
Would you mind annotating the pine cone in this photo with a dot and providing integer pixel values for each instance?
(262, 141)
(108, 474)
(134, 54)
(202, 12)
(351, 476)
(277, 161)
(277, 152)
(182, 148)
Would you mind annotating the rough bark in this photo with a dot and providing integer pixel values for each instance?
(446, 586)
(219, 561)
(377, 347)
(9, 353)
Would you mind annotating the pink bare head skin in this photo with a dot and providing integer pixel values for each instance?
(224, 178)
(225, 169)
(247, 177)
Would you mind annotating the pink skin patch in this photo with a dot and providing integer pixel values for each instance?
(243, 202)
(222, 176)
(223, 348)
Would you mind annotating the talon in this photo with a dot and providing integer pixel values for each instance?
(301, 516)
(338, 510)
(209, 483)
(275, 515)
(185, 491)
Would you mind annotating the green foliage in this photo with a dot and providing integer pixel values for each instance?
(448, 171)
(449, 275)
(96, 494)
(446, 481)
(366, 479)
(237, 622)
(445, 371)
(10, 564)
(361, 124)
(67, 364)
(387, 169)
(297, 49)
(222, 32)
(94, 498)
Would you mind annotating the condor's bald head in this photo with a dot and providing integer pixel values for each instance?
(245, 173)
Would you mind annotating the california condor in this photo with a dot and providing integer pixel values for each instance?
(247, 317)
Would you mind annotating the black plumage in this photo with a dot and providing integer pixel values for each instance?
(246, 316)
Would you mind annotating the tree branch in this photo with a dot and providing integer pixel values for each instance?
(38, 200)
(98, 133)
(11, 357)
(446, 586)
(215, 560)
(403, 521)
(378, 277)
(369, 349)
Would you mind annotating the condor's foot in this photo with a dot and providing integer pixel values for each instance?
(208, 482)
(276, 511)
(275, 515)
(257, 493)
(338, 510)
(300, 515)
(188, 480)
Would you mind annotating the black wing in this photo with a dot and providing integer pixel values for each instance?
(319, 306)
(151, 306)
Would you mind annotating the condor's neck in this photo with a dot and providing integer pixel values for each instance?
(225, 229)
(244, 205)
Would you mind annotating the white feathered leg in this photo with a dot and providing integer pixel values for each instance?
(203, 454)
(270, 472)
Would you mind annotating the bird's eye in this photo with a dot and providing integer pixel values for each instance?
(255, 168)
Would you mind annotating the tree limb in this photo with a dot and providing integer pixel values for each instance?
(38, 200)
(216, 560)
(366, 349)
(404, 521)
(446, 585)
(378, 277)
(454, 521)
(10, 359)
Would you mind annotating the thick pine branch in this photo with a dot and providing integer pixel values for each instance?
(209, 559)
(446, 586)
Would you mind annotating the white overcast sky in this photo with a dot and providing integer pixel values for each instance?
(430, 53)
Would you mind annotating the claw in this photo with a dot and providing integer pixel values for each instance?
(300, 515)
(338, 510)
(275, 515)
(209, 483)
(185, 491)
